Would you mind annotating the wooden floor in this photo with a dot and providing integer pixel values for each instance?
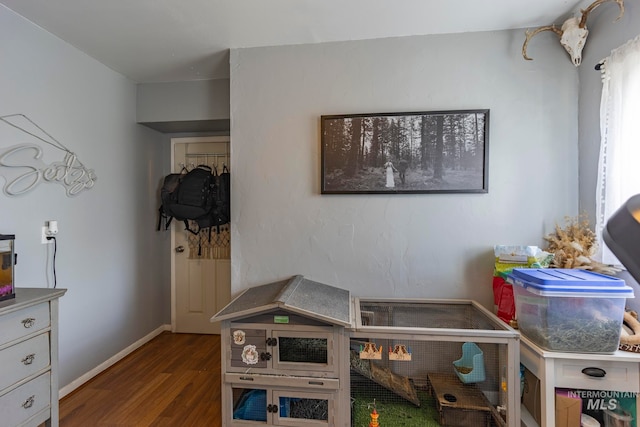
(173, 380)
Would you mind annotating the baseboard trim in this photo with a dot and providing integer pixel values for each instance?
(111, 361)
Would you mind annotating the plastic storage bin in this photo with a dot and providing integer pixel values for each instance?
(570, 310)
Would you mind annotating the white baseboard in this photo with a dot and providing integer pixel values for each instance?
(111, 361)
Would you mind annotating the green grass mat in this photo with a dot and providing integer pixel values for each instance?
(394, 413)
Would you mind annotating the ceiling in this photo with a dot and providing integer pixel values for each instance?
(178, 40)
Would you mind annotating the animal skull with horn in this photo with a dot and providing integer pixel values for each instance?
(573, 33)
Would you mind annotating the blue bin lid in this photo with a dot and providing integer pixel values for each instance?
(567, 282)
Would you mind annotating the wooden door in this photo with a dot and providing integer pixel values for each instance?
(201, 267)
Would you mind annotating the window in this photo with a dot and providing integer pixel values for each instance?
(619, 161)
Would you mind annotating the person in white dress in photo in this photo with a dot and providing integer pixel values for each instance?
(390, 169)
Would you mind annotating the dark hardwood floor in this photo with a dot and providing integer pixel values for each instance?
(173, 380)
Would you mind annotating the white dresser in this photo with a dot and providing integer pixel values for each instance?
(29, 358)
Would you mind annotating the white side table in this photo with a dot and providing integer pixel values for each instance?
(567, 370)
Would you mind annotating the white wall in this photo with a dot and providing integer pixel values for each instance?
(431, 245)
(110, 258)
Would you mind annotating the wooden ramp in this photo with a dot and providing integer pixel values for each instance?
(398, 384)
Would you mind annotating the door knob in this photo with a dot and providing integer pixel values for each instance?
(180, 249)
(265, 356)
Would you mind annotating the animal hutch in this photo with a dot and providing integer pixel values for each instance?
(430, 363)
(283, 355)
(298, 352)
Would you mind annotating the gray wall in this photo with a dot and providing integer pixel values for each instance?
(111, 260)
(432, 245)
(183, 101)
(193, 106)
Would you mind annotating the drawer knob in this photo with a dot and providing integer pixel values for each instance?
(594, 372)
(28, 322)
(29, 402)
(28, 359)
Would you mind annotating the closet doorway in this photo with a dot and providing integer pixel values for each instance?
(200, 266)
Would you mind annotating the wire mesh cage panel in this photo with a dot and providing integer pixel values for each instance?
(432, 363)
(260, 404)
(300, 349)
(405, 392)
(421, 315)
(392, 409)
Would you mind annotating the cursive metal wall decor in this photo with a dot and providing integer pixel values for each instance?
(23, 168)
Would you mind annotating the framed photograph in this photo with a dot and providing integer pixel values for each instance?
(421, 152)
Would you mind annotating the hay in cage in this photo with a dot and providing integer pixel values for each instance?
(304, 409)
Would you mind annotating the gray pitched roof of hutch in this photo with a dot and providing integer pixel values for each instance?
(297, 294)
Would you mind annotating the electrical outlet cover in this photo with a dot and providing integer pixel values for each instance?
(44, 240)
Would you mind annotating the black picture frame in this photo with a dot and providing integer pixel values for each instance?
(356, 150)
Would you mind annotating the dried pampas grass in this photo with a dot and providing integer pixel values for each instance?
(574, 245)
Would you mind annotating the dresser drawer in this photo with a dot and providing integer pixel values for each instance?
(23, 322)
(25, 401)
(23, 359)
(619, 376)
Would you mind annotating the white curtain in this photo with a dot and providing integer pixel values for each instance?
(619, 162)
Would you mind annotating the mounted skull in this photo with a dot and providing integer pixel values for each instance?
(573, 33)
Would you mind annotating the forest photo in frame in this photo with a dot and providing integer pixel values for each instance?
(418, 152)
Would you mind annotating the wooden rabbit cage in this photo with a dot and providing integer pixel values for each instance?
(431, 363)
(298, 352)
(283, 347)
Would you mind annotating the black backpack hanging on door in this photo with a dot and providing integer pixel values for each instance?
(219, 213)
(222, 209)
(168, 198)
(224, 193)
(187, 197)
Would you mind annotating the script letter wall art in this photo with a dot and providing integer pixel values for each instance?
(23, 166)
